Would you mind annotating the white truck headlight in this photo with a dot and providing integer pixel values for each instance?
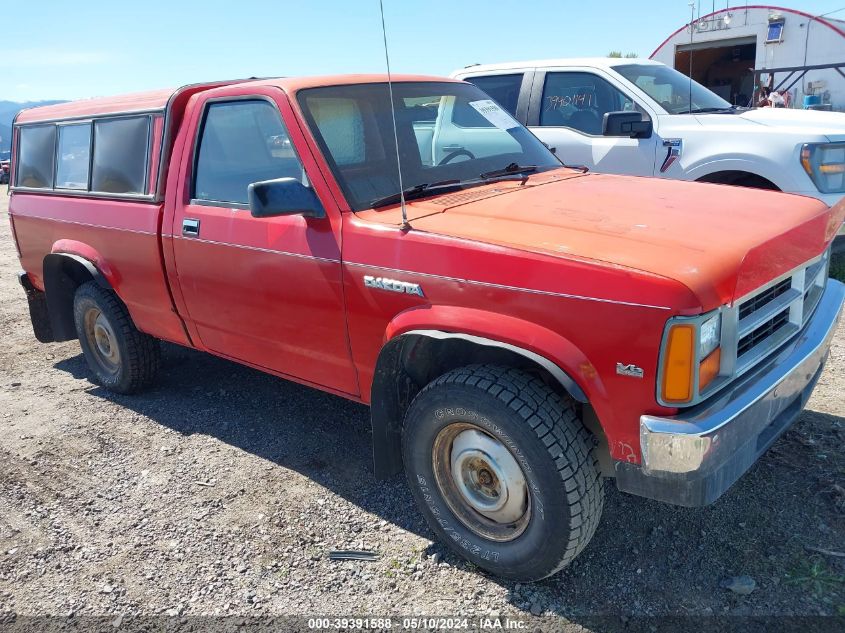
(709, 335)
(825, 165)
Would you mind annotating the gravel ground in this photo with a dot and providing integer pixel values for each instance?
(221, 490)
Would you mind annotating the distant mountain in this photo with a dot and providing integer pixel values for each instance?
(8, 110)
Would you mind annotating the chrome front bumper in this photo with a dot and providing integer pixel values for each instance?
(692, 458)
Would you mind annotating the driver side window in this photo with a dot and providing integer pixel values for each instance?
(579, 100)
(242, 142)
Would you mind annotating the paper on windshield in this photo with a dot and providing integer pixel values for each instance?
(493, 113)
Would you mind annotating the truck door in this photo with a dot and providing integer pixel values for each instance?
(566, 112)
(264, 291)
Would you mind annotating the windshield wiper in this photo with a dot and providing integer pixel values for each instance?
(511, 172)
(417, 191)
(513, 168)
(730, 110)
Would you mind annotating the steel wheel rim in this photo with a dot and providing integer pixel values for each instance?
(481, 481)
(102, 341)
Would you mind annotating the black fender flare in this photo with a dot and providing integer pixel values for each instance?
(63, 274)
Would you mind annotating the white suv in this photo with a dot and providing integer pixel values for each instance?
(632, 116)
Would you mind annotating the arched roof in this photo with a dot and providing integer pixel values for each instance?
(804, 14)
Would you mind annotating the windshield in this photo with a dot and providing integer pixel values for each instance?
(447, 132)
(672, 89)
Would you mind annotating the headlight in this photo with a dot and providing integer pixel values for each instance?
(709, 335)
(690, 358)
(825, 165)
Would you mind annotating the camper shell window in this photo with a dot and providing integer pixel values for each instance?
(96, 156)
(35, 157)
(121, 155)
(73, 159)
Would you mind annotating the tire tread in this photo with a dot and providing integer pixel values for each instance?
(570, 446)
(143, 357)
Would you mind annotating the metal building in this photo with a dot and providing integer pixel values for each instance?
(731, 51)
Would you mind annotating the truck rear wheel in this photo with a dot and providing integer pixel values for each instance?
(121, 358)
(503, 470)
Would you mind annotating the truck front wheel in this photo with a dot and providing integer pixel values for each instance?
(503, 470)
(122, 359)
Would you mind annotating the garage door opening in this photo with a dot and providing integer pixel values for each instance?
(723, 67)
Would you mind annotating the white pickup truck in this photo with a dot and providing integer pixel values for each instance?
(642, 118)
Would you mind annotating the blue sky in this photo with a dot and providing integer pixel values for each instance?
(69, 50)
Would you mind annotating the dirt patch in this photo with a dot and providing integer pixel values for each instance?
(221, 490)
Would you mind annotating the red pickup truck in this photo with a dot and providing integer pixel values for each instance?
(526, 331)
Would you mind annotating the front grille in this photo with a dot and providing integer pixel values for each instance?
(813, 269)
(777, 311)
(761, 333)
(811, 298)
(767, 296)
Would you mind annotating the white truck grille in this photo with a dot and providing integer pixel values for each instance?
(771, 315)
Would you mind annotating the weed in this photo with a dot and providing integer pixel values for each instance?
(815, 576)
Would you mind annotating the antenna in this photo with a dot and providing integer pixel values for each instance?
(405, 224)
(691, 27)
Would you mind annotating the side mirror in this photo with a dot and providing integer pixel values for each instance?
(283, 196)
(624, 123)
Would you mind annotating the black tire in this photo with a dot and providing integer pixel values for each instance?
(135, 357)
(540, 429)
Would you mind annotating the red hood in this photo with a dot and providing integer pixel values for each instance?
(721, 242)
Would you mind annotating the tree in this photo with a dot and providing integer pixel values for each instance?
(618, 54)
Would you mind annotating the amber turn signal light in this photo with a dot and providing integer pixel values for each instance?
(806, 156)
(678, 364)
(835, 168)
(709, 369)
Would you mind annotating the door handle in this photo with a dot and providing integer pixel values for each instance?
(190, 227)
